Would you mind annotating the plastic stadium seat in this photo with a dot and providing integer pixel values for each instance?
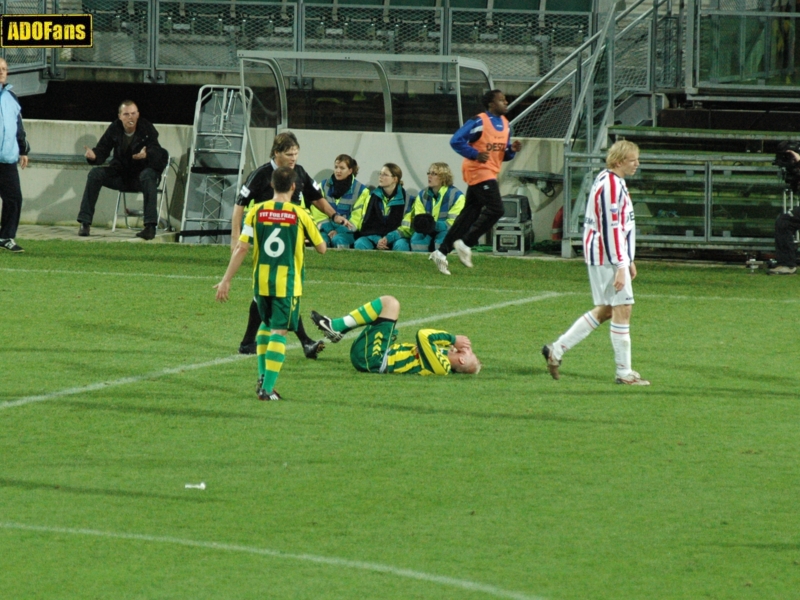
(526, 5)
(161, 198)
(468, 3)
(415, 3)
(584, 6)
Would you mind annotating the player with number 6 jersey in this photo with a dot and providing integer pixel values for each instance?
(276, 229)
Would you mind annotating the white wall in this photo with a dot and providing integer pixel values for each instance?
(52, 193)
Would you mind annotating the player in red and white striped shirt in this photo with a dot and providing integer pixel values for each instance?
(609, 239)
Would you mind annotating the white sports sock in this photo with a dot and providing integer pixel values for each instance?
(580, 329)
(621, 342)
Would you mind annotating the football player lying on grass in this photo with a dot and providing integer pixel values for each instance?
(374, 351)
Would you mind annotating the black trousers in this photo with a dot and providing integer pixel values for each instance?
(786, 225)
(483, 207)
(11, 195)
(100, 177)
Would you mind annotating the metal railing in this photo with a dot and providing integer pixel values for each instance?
(642, 47)
(634, 53)
(263, 72)
(745, 45)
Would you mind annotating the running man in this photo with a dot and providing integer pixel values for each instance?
(485, 142)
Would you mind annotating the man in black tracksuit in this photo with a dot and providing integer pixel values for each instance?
(136, 166)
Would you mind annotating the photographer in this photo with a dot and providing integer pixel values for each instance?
(787, 224)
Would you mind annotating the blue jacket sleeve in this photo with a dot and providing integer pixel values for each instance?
(462, 138)
(509, 152)
(22, 140)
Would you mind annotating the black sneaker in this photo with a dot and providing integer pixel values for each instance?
(10, 245)
(83, 230)
(148, 233)
(325, 325)
(264, 395)
(247, 348)
(312, 349)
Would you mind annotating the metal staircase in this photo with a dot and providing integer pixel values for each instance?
(216, 162)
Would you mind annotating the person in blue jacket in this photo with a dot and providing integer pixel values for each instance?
(14, 150)
(348, 196)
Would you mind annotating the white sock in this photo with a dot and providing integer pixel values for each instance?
(580, 329)
(621, 342)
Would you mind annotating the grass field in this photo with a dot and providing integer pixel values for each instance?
(120, 384)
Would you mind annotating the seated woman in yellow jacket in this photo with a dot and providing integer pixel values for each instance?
(432, 212)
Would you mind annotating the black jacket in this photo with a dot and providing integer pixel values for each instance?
(382, 216)
(122, 162)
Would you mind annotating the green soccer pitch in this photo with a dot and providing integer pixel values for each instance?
(120, 384)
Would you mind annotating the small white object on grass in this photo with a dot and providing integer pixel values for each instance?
(196, 486)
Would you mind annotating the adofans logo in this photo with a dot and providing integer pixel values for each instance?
(46, 31)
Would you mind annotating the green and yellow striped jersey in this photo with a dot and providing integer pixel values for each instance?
(277, 231)
(427, 357)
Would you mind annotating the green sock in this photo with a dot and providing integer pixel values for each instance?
(276, 353)
(262, 339)
(363, 315)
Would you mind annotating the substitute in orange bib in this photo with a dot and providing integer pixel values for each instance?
(485, 142)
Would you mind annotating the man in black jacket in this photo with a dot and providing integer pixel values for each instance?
(136, 166)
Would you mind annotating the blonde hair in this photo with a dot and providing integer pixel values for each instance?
(443, 171)
(471, 369)
(619, 151)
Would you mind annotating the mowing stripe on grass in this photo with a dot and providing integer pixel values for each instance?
(383, 285)
(123, 381)
(228, 359)
(244, 275)
(464, 584)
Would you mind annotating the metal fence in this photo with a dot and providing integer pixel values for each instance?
(198, 35)
(646, 51)
(24, 59)
(746, 44)
(517, 45)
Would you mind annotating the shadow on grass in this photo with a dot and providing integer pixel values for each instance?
(776, 547)
(68, 489)
(161, 411)
(427, 410)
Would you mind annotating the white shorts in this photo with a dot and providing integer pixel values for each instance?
(603, 292)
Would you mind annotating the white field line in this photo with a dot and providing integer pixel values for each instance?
(228, 359)
(322, 560)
